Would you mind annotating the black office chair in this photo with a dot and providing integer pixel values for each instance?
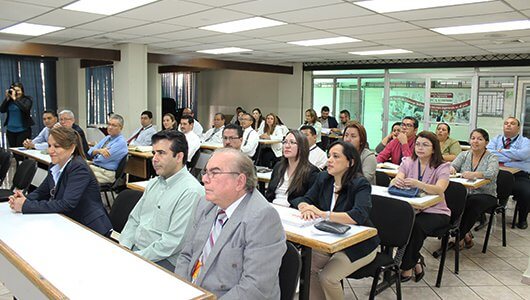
(5, 164)
(22, 179)
(193, 162)
(505, 182)
(289, 272)
(394, 220)
(455, 197)
(118, 184)
(122, 207)
(382, 179)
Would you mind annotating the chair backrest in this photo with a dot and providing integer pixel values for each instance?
(289, 272)
(122, 207)
(455, 198)
(193, 162)
(24, 174)
(382, 179)
(5, 163)
(393, 219)
(505, 182)
(119, 176)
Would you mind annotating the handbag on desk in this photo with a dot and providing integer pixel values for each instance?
(409, 193)
(332, 227)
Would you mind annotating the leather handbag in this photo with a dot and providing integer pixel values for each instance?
(409, 193)
(332, 227)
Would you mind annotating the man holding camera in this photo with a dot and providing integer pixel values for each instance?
(18, 120)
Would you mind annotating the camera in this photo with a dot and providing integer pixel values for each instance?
(12, 92)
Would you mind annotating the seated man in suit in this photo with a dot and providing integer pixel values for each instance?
(513, 150)
(232, 136)
(157, 224)
(142, 135)
(67, 119)
(236, 243)
(40, 142)
(107, 154)
(214, 134)
(326, 120)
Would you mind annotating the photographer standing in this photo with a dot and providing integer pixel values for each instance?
(18, 121)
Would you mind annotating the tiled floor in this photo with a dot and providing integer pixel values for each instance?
(493, 275)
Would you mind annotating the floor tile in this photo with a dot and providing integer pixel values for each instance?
(508, 277)
(451, 293)
(522, 290)
(477, 278)
(495, 292)
(466, 264)
(492, 263)
(507, 251)
(448, 279)
(419, 293)
(520, 263)
(363, 293)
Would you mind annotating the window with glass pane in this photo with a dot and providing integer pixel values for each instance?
(322, 94)
(372, 96)
(99, 89)
(495, 97)
(347, 98)
(407, 98)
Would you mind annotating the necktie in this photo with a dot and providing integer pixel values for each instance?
(214, 234)
(246, 139)
(135, 136)
(211, 136)
(507, 143)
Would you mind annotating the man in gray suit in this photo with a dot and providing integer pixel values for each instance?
(236, 243)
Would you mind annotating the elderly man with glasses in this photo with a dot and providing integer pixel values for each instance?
(67, 119)
(403, 145)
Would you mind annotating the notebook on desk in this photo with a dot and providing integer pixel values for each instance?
(291, 216)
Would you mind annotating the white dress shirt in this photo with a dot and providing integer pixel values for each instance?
(250, 141)
(194, 143)
(318, 157)
(213, 136)
(197, 128)
(144, 138)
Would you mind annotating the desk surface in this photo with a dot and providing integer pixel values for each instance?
(146, 155)
(269, 141)
(65, 259)
(318, 240)
(416, 202)
(211, 145)
(37, 155)
(511, 170)
(138, 186)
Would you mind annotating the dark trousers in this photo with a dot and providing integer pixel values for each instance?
(521, 193)
(267, 158)
(425, 225)
(15, 139)
(476, 205)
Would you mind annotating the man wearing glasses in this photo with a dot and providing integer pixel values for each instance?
(403, 145)
(250, 136)
(67, 119)
(236, 243)
(232, 136)
(157, 224)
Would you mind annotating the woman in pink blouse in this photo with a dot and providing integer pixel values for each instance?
(427, 171)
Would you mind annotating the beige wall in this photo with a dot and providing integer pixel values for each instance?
(71, 88)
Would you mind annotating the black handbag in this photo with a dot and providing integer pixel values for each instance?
(332, 227)
(409, 193)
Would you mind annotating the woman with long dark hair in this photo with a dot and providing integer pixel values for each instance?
(293, 175)
(70, 187)
(18, 119)
(355, 134)
(427, 171)
(341, 194)
(258, 119)
(270, 154)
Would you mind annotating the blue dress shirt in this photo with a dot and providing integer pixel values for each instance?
(518, 156)
(117, 147)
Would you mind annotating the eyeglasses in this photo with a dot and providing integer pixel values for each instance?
(290, 143)
(423, 145)
(231, 138)
(212, 174)
(409, 125)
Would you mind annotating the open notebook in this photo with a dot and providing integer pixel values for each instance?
(293, 217)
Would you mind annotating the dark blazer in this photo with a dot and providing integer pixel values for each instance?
(77, 196)
(356, 202)
(270, 193)
(83, 139)
(24, 103)
(332, 122)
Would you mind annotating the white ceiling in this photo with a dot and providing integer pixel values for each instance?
(171, 27)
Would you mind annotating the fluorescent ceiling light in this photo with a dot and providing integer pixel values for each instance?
(243, 25)
(489, 27)
(30, 29)
(385, 6)
(381, 52)
(106, 7)
(224, 50)
(326, 41)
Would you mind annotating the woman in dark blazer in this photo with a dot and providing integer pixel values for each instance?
(70, 187)
(340, 195)
(294, 174)
(18, 121)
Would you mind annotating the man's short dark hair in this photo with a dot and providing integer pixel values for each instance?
(346, 112)
(51, 112)
(222, 115)
(416, 124)
(177, 139)
(237, 128)
(310, 128)
(189, 118)
(147, 113)
(325, 108)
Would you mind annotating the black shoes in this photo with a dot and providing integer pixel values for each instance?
(522, 225)
(419, 276)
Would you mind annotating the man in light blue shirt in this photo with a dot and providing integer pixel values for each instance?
(107, 154)
(142, 135)
(157, 224)
(513, 150)
(40, 142)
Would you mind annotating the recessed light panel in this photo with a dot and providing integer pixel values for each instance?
(224, 50)
(386, 6)
(479, 28)
(106, 7)
(243, 25)
(326, 41)
(381, 52)
(30, 29)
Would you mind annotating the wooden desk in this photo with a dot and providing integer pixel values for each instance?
(48, 256)
(269, 141)
(138, 186)
(389, 172)
(473, 184)
(264, 177)
(310, 238)
(465, 147)
(211, 146)
(138, 164)
(511, 170)
(416, 202)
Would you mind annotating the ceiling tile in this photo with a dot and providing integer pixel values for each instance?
(72, 34)
(328, 12)
(187, 34)
(153, 29)
(219, 39)
(112, 24)
(65, 18)
(208, 17)
(50, 3)
(310, 35)
(519, 4)
(218, 3)
(275, 31)
(469, 20)
(174, 44)
(453, 11)
(16, 11)
(161, 10)
(264, 7)
(13, 37)
(350, 22)
(380, 28)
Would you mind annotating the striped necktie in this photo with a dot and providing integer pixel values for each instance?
(213, 133)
